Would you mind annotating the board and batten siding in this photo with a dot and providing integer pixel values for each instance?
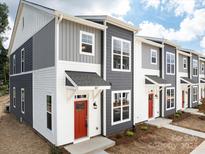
(44, 47)
(22, 81)
(69, 43)
(119, 80)
(146, 57)
(181, 63)
(170, 78)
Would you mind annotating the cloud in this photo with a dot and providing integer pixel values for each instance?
(202, 43)
(151, 3)
(190, 28)
(117, 8)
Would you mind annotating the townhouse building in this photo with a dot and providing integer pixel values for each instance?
(77, 77)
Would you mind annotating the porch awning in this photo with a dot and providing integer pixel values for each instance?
(85, 80)
(154, 79)
(202, 80)
(186, 80)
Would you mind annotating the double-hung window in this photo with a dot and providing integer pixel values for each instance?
(185, 63)
(121, 106)
(202, 67)
(121, 54)
(195, 88)
(14, 97)
(23, 100)
(49, 111)
(23, 60)
(195, 67)
(170, 98)
(14, 64)
(153, 56)
(170, 63)
(87, 43)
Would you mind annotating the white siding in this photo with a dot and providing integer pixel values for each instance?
(141, 90)
(65, 103)
(44, 84)
(34, 20)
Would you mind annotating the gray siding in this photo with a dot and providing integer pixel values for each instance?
(200, 71)
(170, 78)
(194, 104)
(118, 80)
(181, 63)
(28, 46)
(70, 43)
(44, 47)
(22, 81)
(146, 57)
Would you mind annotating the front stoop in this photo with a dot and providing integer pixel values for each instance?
(95, 145)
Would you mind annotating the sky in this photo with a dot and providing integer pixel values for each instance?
(181, 21)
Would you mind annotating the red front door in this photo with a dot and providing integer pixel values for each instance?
(150, 105)
(80, 119)
(182, 98)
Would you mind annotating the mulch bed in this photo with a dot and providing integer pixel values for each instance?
(179, 116)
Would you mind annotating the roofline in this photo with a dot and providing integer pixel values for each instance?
(149, 42)
(184, 53)
(111, 20)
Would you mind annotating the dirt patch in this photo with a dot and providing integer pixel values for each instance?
(194, 122)
(18, 138)
(179, 116)
(154, 140)
(202, 106)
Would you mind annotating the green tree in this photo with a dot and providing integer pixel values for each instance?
(4, 69)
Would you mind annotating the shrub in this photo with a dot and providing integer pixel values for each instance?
(177, 115)
(129, 133)
(179, 112)
(56, 150)
(144, 127)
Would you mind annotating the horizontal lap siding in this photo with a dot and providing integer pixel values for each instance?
(181, 63)
(69, 40)
(22, 81)
(118, 80)
(28, 46)
(170, 78)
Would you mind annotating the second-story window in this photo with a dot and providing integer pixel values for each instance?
(195, 67)
(170, 63)
(202, 67)
(14, 64)
(121, 50)
(185, 63)
(22, 100)
(87, 43)
(153, 56)
(23, 60)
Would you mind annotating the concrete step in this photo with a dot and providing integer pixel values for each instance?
(99, 152)
(96, 144)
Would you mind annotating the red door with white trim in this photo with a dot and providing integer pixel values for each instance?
(150, 101)
(80, 119)
(182, 98)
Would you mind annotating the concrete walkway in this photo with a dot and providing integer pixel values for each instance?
(162, 122)
(95, 145)
(194, 111)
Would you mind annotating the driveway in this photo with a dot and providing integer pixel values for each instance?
(16, 138)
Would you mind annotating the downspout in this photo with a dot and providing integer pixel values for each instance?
(58, 19)
(104, 77)
(177, 79)
(190, 89)
(163, 78)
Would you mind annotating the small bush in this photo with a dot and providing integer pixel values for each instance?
(129, 133)
(179, 112)
(177, 115)
(56, 150)
(144, 127)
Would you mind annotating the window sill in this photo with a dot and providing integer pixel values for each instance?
(120, 122)
(168, 109)
(119, 70)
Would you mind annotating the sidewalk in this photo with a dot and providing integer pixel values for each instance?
(194, 111)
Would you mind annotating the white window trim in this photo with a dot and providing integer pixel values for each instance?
(112, 52)
(22, 60)
(93, 43)
(153, 51)
(122, 121)
(167, 109)
(50, 112)
(195, 75)
(185, 59)
(14, 59)
(202, 66)
(196, 94)
(14, 104)
(170, 63)
(22, 89)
